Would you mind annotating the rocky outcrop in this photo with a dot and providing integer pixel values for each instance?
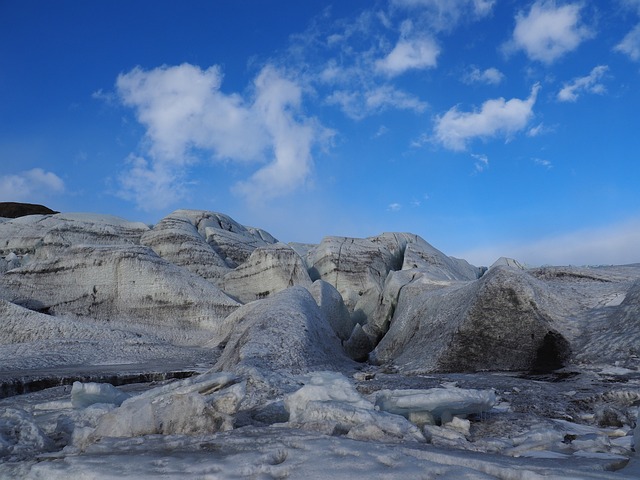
(267, 271)
(16, 209)
(127, 286)
(495, 323)
(285, 332)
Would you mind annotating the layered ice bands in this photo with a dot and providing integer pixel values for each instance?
(200, 347)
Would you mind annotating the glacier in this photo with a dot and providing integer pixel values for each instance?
(203, 348)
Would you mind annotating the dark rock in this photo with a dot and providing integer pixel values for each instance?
(15, 209)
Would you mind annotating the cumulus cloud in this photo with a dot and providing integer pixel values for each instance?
(410, 54)
(495, 117)
(291, 138)
(490, 76)
(588, 84)
(35, 185)
(186, 116)
(630, 44)
(547, 31)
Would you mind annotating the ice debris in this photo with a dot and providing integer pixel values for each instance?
(85, 394)
(435, 405)
(330, 404)
(203, 404)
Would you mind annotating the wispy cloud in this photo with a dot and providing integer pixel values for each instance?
(489, 76)
(548, 31)
(412, 52)
(35, 185)
(383, 130)
(367, 54)
(481, 162)
(444, 15)
(360, 104)
(538, 130)
(186, 117)
(587, 84)
(543, 163)
(630, 44)
(616, 244)
(495, 117)
(394, 207)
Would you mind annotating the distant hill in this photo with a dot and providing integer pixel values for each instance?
(15, 209)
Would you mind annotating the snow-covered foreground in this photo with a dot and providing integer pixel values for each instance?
(201, 348)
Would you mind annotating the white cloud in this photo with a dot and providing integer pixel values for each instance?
(481, 163)
(152, 185)
(446, 14)
(377, 99)
(543, 163)
(616, 244)
(538, 130)
(277, 104)
(496, 117)
(383, 130)
(186, 116)
(35, 185)
(589, 84)
(394, 207)
(547, 32)
(182, 108)
(490, 76)
(630, 44)
(409, 54)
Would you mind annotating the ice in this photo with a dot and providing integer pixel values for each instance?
(330, 403)
(85, 394)
(440, 403)
(20, 435)
(324, 387)
(197, 405)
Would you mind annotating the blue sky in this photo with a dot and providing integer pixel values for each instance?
(487, 127)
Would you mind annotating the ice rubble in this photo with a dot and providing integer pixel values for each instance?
(186, 428)
(201, 404)
(436, 405)
(85, 394)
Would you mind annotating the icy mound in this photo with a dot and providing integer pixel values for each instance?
(285, 332)
(495, 323)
